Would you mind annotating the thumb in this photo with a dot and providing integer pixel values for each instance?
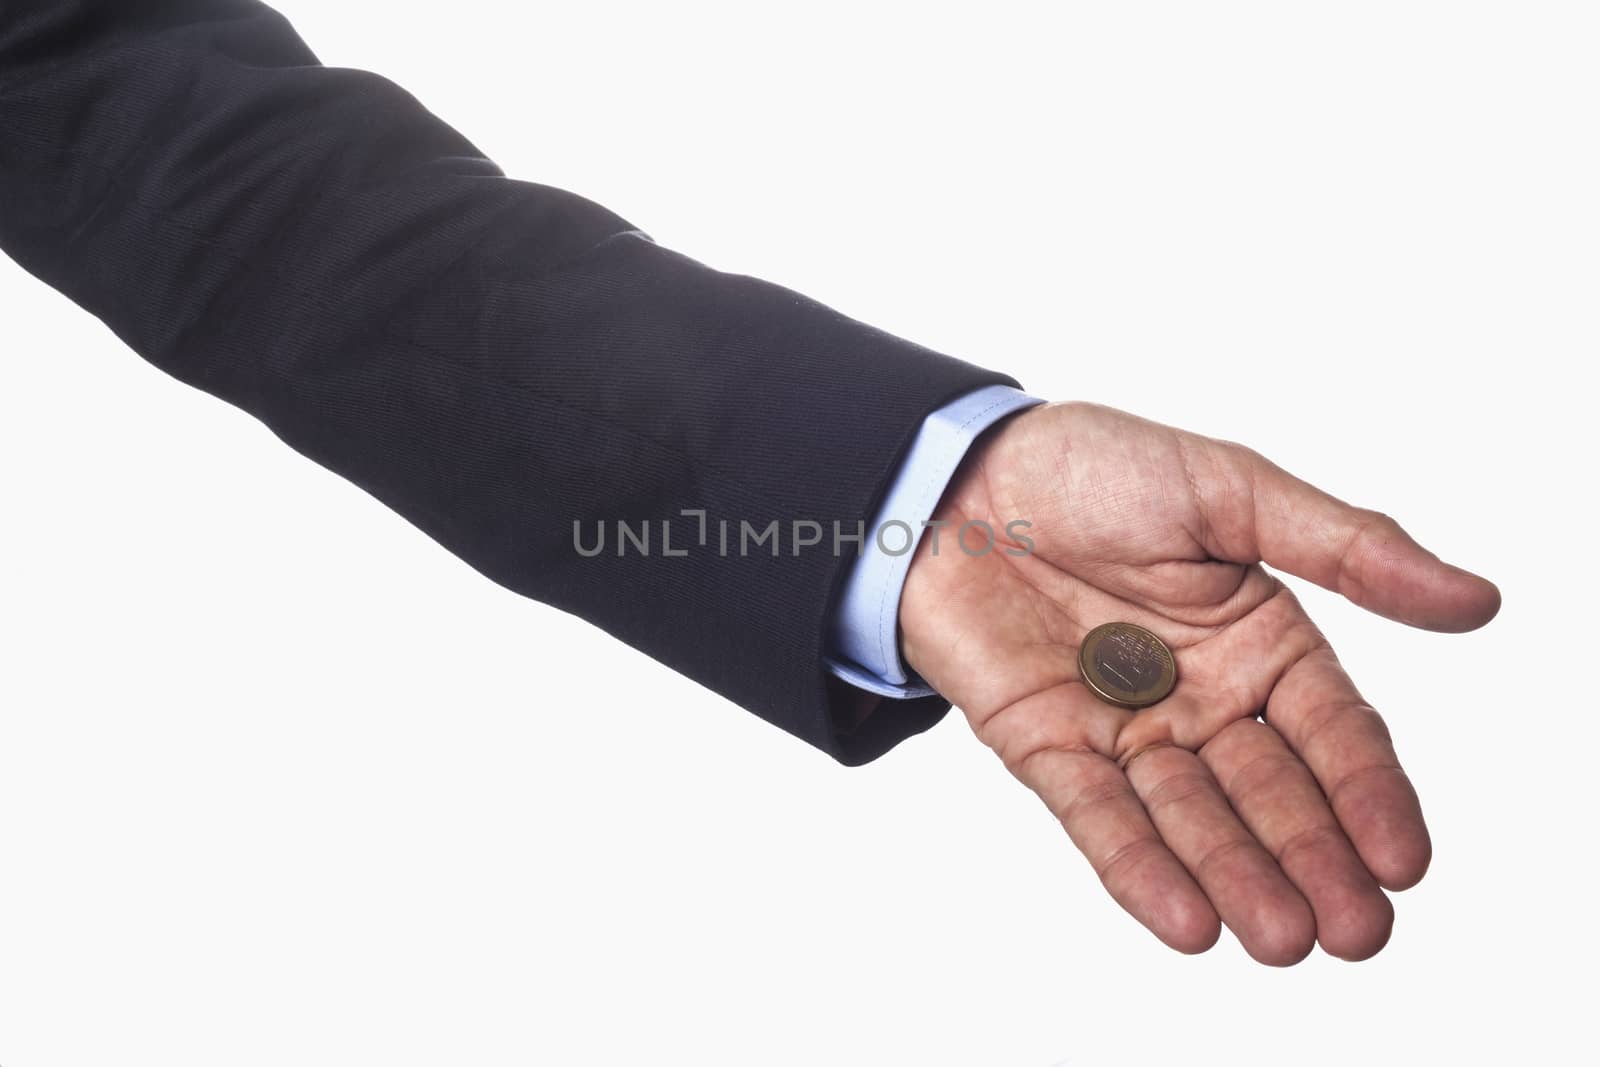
(1362, 555)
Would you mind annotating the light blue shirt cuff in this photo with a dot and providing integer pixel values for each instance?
(863, 642)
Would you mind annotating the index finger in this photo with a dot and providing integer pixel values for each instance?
(1317, 710)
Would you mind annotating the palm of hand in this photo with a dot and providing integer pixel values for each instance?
(1193, 810)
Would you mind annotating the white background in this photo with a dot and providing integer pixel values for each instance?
(282, 782)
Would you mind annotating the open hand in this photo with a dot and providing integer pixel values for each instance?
(1263, 792)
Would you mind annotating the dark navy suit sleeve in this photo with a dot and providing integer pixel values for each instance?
(495, 360)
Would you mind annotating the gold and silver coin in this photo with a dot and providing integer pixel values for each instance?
(1127, 665)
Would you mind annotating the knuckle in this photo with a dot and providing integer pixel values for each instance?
(1087, 799)
(1335, 720)
(1310, 838)
(1178, 789)
(1221, 851)
(1117, 865)
(1265, 773)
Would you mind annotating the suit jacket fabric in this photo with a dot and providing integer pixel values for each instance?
(493, 359)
